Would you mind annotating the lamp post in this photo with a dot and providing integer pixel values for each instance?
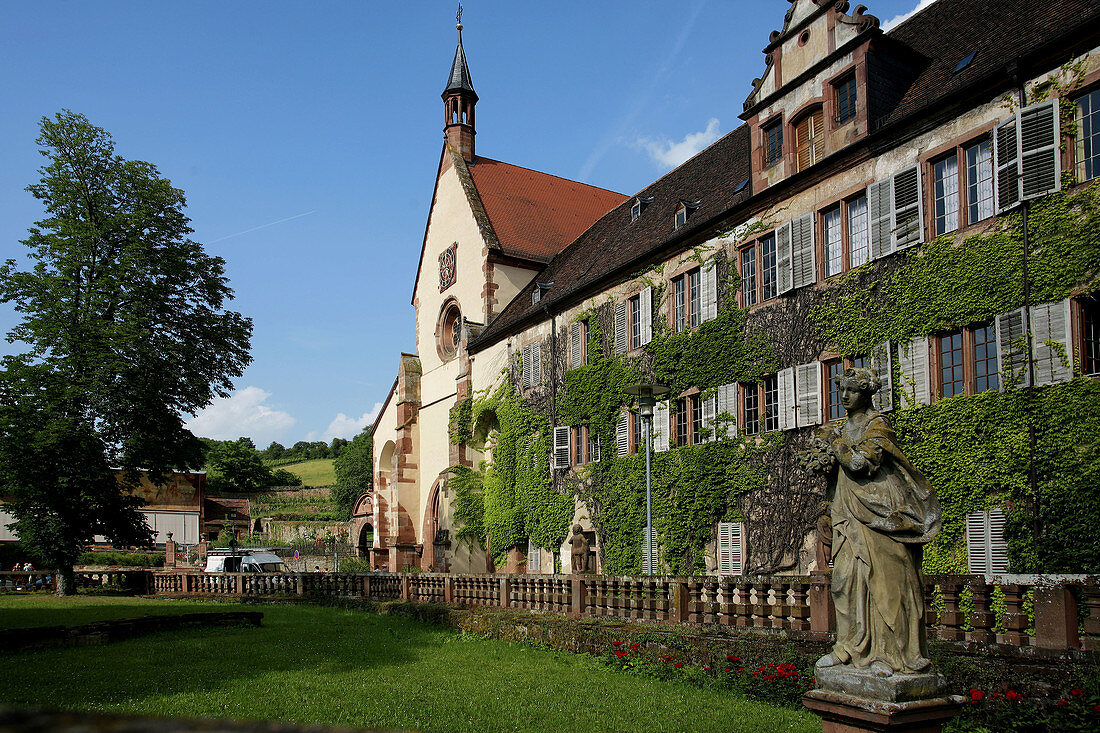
(647, 395)
(232, 533)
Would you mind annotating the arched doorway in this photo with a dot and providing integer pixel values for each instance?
(366, 540)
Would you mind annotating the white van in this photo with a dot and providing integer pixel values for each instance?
(245, 561)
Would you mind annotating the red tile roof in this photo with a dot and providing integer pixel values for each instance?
(535, 215)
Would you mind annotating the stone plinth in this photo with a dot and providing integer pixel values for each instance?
(850, 700)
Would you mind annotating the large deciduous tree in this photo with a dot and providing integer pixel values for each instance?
(354, 469)
(124, 321)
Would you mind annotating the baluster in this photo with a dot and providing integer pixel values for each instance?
(695, 601)
(981, 618)
(761, 608)
(743, 608)
(800, 608)
(780, 609)
(952, 619)
(1091, 640)
(1015, 621)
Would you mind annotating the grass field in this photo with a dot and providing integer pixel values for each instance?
(313, 665)
(317, 472)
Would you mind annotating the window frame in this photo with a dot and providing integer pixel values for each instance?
(968, 346)
(960, 151)
(845, 79)
(772, 154)
(758, 245)
(687, 315)
(814, 119)
(634, 322)
(1079, 160)
(1086, 318)
(831, 389)
(844, 206)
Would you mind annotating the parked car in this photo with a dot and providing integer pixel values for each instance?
(245, 561)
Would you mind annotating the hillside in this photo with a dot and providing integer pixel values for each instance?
(318, 472)
(309, 504)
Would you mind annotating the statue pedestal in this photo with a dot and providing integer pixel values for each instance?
(849, 700)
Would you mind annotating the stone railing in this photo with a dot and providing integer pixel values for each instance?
(1030, 613)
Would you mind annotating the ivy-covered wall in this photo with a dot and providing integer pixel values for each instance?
(976, 450)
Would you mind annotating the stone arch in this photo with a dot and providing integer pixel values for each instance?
(435, 545)
(362, 517)
(485, 430)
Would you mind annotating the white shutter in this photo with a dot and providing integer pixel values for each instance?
(1039, 150)
(880, 213)
(620, 327)
(913, 363)
(883, 401)
(710, 409)
(647, 533)
(536, 364)
(575, 345)
(1006, 158)
(784, 265)
(622, 434)
(534, 557)
(645, 308)
(561, 446)
(708, 299)
(807, 382)
(908, 221)
(1011, 349)
(986, 550)
(729, 549)
(1051, 339)
(727, 403)
(786, 399)
(525, 367)
(660, 427)
(803, 259)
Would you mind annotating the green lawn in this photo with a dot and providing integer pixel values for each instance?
(318, 472)
(315, 665)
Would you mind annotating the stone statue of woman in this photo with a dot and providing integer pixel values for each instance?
(883, 513)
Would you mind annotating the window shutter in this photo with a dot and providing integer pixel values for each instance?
(596, 457)
(729, 549)
(645, 308)
(880, 212)
(576, 346)
(620, 327)
(786, 399)
(1051, 339)
(660, 427)
(561, 447)
(534, 557)
(1006, 158)
(708, 309)
(783, 268)
(1039, 150)
(913, 363)
(986, 550)
(710, 409)
(727, 403)
(622, 434)
(647, 533)
(883, 400)
(808, 393)
(1011, 349)
(803, 259)
(536, 364)
(525, 367)
(908, 221)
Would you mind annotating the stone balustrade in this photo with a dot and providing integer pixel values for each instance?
(1030, 613)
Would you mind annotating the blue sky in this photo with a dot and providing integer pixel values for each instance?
(306, 136)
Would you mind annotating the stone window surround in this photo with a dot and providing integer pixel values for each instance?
(927, 160)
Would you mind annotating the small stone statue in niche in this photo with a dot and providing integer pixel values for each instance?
(883, 512)
(579, 544)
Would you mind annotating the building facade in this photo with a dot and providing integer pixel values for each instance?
(919, 201)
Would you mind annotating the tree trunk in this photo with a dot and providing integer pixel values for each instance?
(66, 581)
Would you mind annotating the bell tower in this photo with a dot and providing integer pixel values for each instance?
(459, 99)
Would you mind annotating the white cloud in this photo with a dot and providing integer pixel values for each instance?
(242, 414)
(346, 427)
(668, 153)
(899, 19)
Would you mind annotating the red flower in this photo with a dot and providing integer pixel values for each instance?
(666, 659)
(727, 669)
(1077, 692)
(976, 694)
(633, 647)
(1096, 709)
(678, 665)
(616, 643)
(1012, 695)
(1062, 703)
(731, 658)
(620, 653)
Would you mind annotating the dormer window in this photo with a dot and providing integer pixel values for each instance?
(844, 92)
(686, 209)
(773, 143)
(809, 139)
(639, 205)
(539, 291)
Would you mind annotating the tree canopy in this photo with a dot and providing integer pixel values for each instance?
(124, 321)
(354, 471)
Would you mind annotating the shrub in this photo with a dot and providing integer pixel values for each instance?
(122, 559)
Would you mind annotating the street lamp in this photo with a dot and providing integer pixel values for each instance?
(647, 395)
(232, 533)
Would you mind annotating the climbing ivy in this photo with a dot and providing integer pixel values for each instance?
(975, 450)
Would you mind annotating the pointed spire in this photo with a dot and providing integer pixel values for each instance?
(459, 79)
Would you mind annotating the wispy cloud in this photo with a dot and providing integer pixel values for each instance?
(346, 427)
(642, 101)
(899, 19)
(262, 226)
(242, 414)
(668, 153)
